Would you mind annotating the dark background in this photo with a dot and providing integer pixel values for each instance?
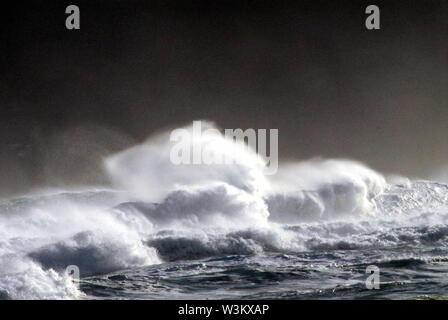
(309, 68)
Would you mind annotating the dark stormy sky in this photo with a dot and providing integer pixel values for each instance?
(308, 68)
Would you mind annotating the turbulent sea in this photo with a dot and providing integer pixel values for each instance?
(227, 232)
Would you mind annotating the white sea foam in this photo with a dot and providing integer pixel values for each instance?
(164, 212)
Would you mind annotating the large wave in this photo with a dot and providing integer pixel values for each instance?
(158, 211)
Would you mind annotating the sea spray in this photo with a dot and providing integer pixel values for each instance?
(158, 212)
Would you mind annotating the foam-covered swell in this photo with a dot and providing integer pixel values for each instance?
(40, 236)
(205, 210)
(161, 212)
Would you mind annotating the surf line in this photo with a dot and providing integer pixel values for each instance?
(190, 310)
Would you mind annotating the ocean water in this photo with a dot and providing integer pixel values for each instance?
(227, 232)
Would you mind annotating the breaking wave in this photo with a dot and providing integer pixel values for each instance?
(160, 212)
